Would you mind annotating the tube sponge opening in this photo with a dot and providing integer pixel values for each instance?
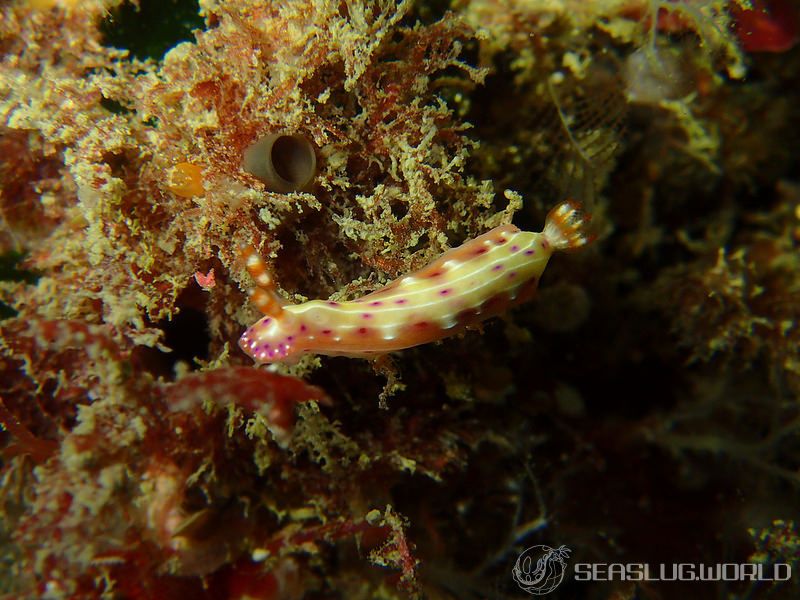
(284, 163)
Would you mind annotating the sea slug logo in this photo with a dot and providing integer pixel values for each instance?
(540, 569)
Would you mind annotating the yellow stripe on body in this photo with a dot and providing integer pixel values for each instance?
(422, 295)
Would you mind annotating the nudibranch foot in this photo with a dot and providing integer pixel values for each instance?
(465, 286)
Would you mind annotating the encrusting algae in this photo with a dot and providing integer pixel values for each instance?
(643, 407)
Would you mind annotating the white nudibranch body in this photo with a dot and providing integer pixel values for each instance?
(466, 285)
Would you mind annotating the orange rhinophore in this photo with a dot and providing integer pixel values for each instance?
(263, 296)
(186, 180)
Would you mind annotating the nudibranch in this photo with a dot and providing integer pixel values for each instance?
(464, 286)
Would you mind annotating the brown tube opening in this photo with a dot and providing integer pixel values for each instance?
(284, 163)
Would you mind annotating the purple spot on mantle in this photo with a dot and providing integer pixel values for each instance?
(514, 248)
(366, 316)
(376, 303)
(303, 328)
(445, 292)
(332, 303)
(362, 330)
(290, 338)
(326, 332)
(529, 252)
(497, 268)
(401, 301)
(512, 274)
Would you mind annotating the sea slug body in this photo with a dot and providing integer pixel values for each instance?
(466, 285)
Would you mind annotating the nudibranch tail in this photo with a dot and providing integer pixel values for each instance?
(566, 226)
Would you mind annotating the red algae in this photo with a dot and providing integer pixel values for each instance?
(769, 26)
